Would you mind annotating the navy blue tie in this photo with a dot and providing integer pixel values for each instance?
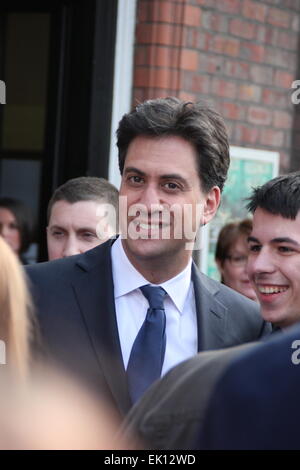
(148, 350)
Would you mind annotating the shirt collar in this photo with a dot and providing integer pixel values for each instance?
(126, 278)
(178, 287)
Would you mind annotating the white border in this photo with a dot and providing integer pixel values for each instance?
(254, 154)
(123, 72)
(243, 154)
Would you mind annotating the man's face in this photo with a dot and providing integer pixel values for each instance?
(73, 228)
(161, 176)
(274, 266)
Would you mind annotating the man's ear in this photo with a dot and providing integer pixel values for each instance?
(211, 204)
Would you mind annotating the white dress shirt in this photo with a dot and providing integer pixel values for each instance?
(131, 309)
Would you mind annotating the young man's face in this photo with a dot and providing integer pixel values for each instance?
(274, 266)
(72, 228)
(160, 174)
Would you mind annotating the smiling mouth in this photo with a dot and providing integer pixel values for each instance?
(268, 290)
(151, 226)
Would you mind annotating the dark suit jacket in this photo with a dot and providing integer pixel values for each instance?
(255, 405)
(75, 304)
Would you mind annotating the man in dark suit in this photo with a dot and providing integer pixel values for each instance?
(173, 157)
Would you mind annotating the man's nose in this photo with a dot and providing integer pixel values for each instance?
(71, 247)
(150, 197)
(261, 263)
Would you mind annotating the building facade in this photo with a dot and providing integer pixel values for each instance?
(72, 68)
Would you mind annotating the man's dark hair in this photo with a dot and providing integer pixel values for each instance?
(24, 219)
(279, 196)
(85, 188)
(197, 123)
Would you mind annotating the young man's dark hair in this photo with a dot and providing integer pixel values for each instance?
(197, 123)
(279, 196)
(85, 188)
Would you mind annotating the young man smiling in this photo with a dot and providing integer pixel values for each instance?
(274, 249)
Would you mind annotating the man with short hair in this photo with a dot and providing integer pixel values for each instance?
(127, 311)
(82, 213)
(274, 249)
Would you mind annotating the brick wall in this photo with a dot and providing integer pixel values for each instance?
(241, 55)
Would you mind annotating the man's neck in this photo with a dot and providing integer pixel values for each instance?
(160, 269)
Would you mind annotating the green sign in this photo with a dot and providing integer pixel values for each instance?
(244, 174)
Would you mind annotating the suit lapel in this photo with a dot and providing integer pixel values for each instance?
(95, 295)
(211, 314)
(94, 292)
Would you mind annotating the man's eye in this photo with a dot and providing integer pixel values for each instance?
(57, 234)
(171, 186)
(254, 248)
(89, 235)
(285, 249)
(135, 179)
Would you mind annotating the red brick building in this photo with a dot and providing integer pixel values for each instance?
(241, 55)
(73, 67)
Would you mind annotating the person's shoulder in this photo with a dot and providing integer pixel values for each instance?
(266, 364)
(260, 385)
(242, 313)
(66, 266)
(47, 268)
(234, 297)
(227, 295)
(278, 348)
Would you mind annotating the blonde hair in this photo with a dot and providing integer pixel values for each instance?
(52, 411)
(15, 305)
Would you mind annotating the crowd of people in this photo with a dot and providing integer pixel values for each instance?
(121, 317)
